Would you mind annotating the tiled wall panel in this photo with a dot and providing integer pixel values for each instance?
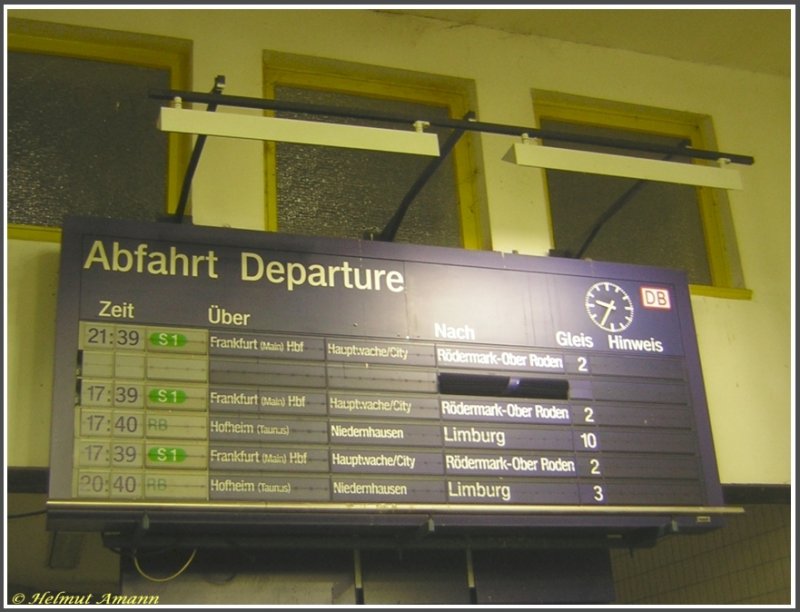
(746, 562)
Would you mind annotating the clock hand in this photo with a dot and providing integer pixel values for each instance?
(610, 307)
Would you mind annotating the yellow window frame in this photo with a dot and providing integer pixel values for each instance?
(313, 76)
(694, 128)
(32, 36)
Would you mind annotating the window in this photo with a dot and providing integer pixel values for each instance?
(353, 193)
(632, 221)
(82, 136)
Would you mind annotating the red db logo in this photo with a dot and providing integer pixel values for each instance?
(656, 297)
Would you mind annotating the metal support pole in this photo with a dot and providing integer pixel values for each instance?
(472, 126)
(390, 231)
(612, 210)
(219, 85)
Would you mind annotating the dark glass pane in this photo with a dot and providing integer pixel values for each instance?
(655, 223)
(346, 192)
(82, 139)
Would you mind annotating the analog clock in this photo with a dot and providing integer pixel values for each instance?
(609, 306)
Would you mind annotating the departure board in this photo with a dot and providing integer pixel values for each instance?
(240, 373)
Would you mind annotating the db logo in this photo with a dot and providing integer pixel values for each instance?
(656, 297)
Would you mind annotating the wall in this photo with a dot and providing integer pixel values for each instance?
(746, 563)
(744, 344)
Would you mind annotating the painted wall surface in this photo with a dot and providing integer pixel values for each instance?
(745, 345)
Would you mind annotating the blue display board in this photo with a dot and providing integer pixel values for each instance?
(211, 375)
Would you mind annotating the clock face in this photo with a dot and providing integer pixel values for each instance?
(609, 306)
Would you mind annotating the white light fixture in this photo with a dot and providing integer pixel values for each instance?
(529, 153)
(254, 127)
